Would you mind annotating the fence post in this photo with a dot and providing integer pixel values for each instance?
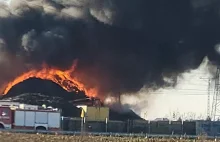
(82, 123)
(182, 127)
(62, 122)
(106, 125)
(169, 127)
(128, 125)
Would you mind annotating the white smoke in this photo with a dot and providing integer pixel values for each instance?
(4, 10)
(189, 96)
(27, 41)
(74, 12)
(79, 9)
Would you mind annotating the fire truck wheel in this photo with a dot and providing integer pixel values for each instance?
(1, 126)
(40, 128)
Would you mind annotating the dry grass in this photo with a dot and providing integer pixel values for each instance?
(15, 137)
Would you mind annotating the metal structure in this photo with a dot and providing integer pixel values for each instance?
(216, 97)
(89, 101)
(208, 99)
(208, 95)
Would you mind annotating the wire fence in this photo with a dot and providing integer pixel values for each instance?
(192, 128)
(130, 126)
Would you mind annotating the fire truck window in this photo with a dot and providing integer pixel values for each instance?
(5, 112)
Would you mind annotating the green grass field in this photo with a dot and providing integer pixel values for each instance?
(16, 137)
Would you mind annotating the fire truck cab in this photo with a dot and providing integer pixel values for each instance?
(32, 119)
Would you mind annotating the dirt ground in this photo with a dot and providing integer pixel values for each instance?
(16, 137)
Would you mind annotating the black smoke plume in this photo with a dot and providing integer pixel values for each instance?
(120, 45)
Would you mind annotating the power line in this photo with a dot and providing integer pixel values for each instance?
(170, 89)
(169, 93)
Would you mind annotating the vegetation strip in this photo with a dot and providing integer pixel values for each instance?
(100, 134)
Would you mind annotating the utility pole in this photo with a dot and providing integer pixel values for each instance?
(119, 101)
(208, 96)
(119, 98)
(208, 99)
(216, 97)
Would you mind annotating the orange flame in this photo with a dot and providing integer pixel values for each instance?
(63, 78)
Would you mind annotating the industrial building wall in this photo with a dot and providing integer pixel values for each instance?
(97, 113)
(93, 113)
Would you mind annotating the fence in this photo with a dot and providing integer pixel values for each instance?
(211, 128)
(130, 126)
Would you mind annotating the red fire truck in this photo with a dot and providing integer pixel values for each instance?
(26, 118)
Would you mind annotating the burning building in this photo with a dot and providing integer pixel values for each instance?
(102, 47)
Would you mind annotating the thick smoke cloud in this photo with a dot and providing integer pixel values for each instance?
(121, 45)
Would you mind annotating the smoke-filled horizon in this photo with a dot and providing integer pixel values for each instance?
(120, 45)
